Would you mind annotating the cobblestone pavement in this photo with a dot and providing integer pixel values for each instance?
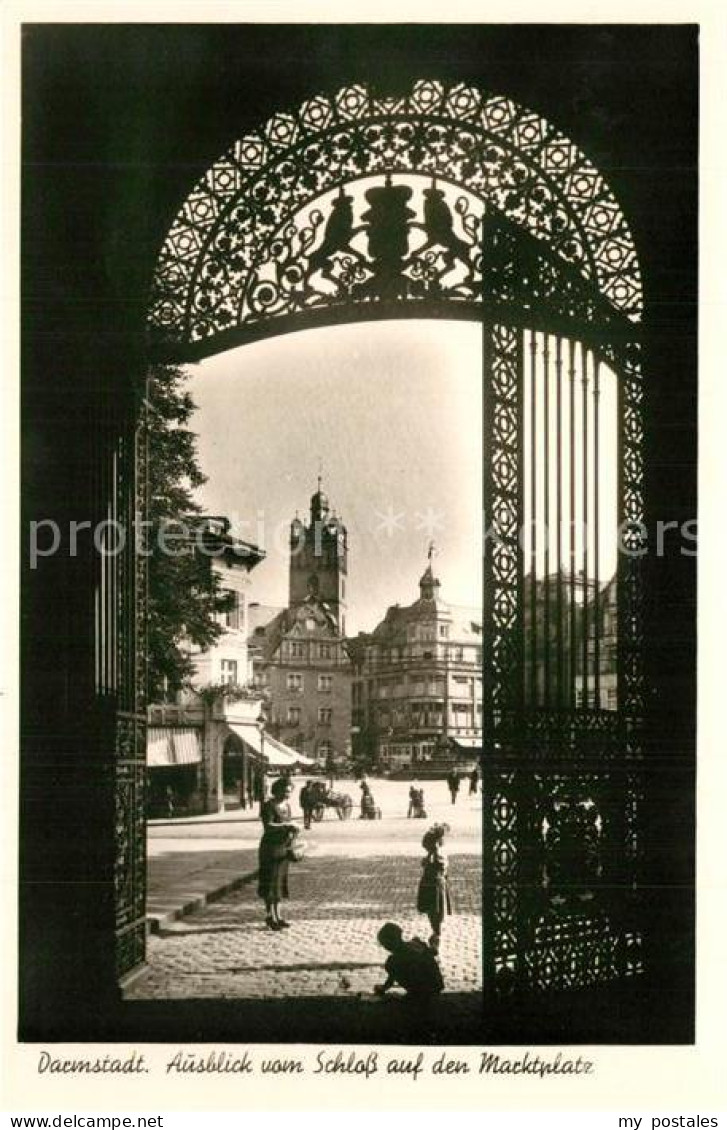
(337, 906)
(357, 876)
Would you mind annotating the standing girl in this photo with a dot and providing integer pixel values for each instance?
(433, 897)
(278, 835)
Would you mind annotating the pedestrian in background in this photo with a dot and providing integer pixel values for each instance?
(453, 784)
(307, 802)
(416, 802)
(474, 780)
(433, 897)
(368, 804)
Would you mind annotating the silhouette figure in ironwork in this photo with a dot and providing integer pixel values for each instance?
(387, 223)
(439, 228)
(337, 236)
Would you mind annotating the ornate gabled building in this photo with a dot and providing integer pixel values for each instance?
(299, 656)
(417, 683)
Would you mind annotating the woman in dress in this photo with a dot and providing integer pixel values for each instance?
(433, 898)
(279, 832)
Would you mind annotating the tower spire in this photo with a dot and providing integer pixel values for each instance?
(429, 584)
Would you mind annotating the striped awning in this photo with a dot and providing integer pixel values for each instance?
(172, 745)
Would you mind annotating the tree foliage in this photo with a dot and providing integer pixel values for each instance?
(185, 596)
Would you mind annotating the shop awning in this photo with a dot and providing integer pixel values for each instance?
(273, 752)
(169, 746)
(278, 754)
(468, 743)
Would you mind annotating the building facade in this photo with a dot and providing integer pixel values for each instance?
(570, 633)
(417, 684)
(203, 749)
(597, 665)
(299, 656)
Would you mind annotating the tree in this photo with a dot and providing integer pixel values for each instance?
(185, 596)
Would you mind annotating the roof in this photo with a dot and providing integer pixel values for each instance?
(260, 615)
(210, 532)
(465, 623)
(293, 621)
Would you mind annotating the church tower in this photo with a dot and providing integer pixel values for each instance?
(318, 559)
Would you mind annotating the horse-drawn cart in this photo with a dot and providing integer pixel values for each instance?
(324, 798)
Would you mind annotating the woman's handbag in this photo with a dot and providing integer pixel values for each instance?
(296, 849)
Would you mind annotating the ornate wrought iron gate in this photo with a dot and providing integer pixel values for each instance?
(450, 203)
(120, 606)
(562, 752)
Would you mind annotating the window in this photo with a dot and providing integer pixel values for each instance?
(228, 669)
(325, 651)
(295, 682)
(231, 616)
(324, 715)
(458, 654)
(294, 715)
(325, 749)
(297, 650)
(310, 625)
(325, 684)
(443, 631)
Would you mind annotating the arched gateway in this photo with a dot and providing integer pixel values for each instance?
(449, 203)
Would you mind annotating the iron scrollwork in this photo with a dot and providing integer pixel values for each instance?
(386, 241)
(249, 208)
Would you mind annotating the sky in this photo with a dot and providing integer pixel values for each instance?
(391, 414)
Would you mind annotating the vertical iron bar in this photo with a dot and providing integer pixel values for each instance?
(533, 525)
(559, 516)
(488, 669)
(96, 432)
(114, 533)
(584, 411)
(598, 618)
(572, 538)
(546, 516)
(103, 560)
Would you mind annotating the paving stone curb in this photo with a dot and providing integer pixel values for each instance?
(157, 922)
